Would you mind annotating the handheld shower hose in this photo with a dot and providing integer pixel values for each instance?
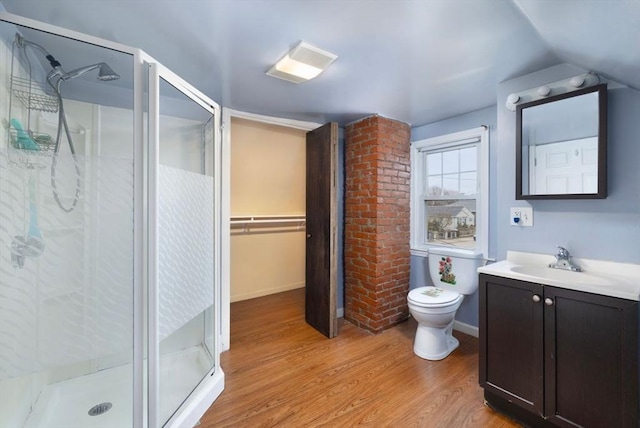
(55, 77)
(62, 120)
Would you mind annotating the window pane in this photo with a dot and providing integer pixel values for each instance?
(468, 159)
(434, 163)
(434, 185)
(450, 183)
(451, 223)
(468, 183)
(450, 161)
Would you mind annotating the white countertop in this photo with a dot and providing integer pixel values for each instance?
(613, 279)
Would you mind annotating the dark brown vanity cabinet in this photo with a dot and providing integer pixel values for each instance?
(553, 356)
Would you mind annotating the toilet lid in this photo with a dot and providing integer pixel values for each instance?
(432, 296)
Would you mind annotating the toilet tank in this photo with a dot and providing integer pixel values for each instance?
(454, 269)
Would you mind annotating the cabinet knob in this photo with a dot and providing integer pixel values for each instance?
(548, 301)
(308, 235)
(536, 298)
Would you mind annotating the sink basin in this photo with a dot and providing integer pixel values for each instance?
(602, 277)
(565, 276)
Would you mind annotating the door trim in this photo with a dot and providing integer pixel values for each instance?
(225, 233)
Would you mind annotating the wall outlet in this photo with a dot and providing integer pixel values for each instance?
(521, 216)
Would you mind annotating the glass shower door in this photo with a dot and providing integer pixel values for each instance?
(182, 259)
(67, 182)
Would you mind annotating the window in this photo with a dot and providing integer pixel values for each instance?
(449, 192)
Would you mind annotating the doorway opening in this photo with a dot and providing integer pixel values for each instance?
(265, 207)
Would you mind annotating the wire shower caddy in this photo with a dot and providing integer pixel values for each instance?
(33, 96)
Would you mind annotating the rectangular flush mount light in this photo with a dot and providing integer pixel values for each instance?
(303, 62)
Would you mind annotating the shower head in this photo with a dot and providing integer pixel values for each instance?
(105, 72)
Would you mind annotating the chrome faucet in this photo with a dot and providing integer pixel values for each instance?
(563, 261)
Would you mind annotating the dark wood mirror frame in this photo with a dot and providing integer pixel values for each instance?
(601, 89)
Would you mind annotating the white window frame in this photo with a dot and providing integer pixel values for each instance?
(478, 135)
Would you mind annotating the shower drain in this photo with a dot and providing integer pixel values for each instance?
(99, 409)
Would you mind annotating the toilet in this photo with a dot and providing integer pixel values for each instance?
(454, 273)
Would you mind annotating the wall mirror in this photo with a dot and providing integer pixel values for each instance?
(561, 146)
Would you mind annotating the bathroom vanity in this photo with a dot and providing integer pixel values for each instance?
(560, 348)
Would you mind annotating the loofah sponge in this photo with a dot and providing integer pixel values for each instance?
(23, 140)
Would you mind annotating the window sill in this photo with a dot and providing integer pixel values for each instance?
(424, 252)
(419, 252)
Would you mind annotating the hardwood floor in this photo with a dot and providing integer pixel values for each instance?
(281, 372)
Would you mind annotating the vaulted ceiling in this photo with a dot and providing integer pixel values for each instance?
(418, 61)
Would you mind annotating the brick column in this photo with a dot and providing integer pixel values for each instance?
(377, 173)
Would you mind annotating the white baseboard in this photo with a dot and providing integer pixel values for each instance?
(471, 330)
(340, 313)
(266, 292)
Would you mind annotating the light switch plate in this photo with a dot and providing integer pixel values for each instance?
(521, 216)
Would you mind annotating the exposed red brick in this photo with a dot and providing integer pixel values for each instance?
(377, 222)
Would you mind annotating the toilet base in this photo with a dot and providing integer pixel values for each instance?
(434, 343)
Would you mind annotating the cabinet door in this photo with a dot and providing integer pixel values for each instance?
(591, 359)
(511, 329)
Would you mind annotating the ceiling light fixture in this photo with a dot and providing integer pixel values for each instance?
(303, 62)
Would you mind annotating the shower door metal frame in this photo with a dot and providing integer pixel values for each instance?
(208, 391)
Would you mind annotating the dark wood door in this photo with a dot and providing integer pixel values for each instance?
(321, 248)
(591, 359)
(511, 340)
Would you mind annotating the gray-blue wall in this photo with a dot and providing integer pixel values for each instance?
(607, 229)
(419, 274)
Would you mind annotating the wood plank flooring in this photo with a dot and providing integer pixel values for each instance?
(280, 372)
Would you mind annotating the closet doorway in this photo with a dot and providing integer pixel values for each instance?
(274, 245)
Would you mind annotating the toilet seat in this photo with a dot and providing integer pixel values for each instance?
(433, 297)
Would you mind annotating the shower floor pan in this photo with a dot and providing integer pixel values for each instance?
(68, 403)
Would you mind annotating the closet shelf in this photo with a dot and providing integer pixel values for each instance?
(268, 221)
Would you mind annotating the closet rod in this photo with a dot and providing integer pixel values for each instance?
(253, 221)
(283, 216)
(266, 220)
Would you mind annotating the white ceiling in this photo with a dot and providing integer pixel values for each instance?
(418, 61)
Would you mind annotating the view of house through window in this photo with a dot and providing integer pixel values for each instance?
(452, 223)
(451, 194)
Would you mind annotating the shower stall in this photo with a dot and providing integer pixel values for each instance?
(110, 226)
